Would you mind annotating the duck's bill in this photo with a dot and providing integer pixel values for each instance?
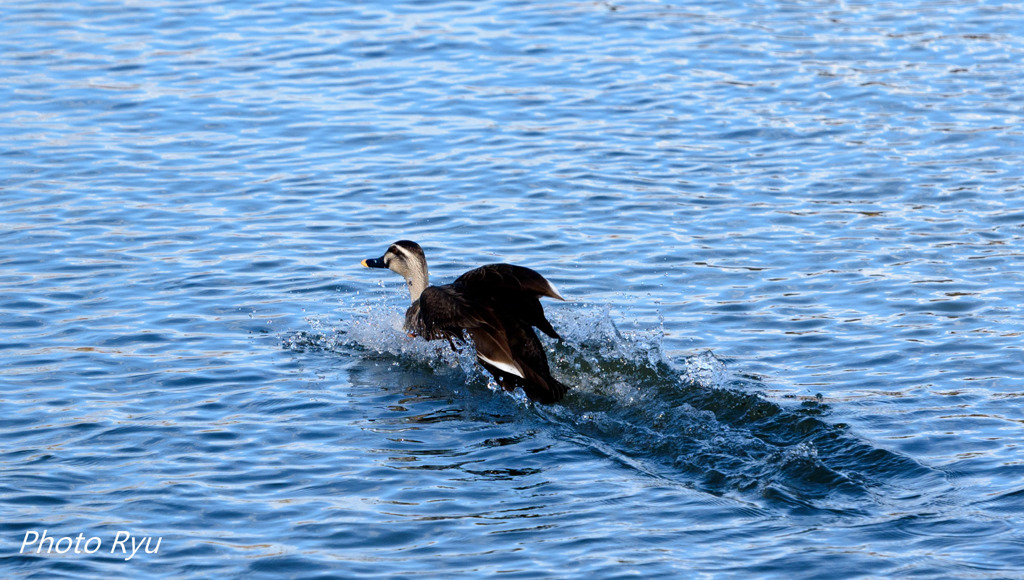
(374, 263)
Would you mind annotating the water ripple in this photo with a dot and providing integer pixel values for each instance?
(790, 230)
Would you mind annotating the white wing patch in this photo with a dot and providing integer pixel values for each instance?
(510, 369)
(554, 290)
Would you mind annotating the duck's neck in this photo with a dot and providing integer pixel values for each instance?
(417, 281)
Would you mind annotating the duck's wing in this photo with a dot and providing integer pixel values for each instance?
(441, 312)
(512, 291)
(444, 312)
(509, 277)
(506, 347)
(516, 358)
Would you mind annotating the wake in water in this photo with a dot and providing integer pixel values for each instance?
(691, 421)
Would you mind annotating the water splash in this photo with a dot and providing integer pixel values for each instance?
(693, 420)
(376, 330)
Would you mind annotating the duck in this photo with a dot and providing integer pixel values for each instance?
(497, 305)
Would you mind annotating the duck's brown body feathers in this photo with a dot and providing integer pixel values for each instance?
(498, 305)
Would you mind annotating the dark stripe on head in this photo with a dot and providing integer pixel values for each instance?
(405, 247)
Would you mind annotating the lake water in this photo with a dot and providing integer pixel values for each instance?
(790, 232)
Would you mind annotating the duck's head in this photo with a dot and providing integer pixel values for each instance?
(407, 259)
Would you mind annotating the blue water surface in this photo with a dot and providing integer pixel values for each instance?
(790, 233)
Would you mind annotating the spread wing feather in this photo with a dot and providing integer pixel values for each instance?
(509, 277)
(511, 289)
